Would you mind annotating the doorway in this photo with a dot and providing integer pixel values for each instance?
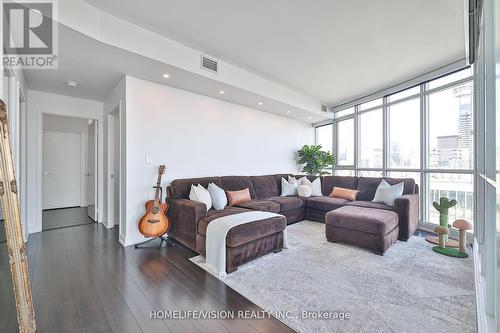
(114, 169)
(92, 170)
(69, 182)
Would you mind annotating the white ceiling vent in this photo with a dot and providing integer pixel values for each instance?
(209, 64)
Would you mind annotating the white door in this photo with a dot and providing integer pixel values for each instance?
(92, 170)
(61, 169)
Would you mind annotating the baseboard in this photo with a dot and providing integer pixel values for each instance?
(485, 322)
(131, 240)
(105, 225)
(70, 207)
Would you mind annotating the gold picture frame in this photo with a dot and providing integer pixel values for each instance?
(13, 231)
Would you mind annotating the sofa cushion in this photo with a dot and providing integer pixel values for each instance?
(369, 204)
(367, 186)
(214, 214)
(262, 205)
(367, 220)
(236, 183)
(180, 188)
(287, 203)
(329, 182)
(248, 232)
(325, 203)
(310, 178)
(265, 186)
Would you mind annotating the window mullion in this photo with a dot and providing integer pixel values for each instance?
(356, 138)
(386, 139)
(424, 181)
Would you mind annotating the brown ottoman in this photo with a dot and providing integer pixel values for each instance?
(373, 229)
(247, 242)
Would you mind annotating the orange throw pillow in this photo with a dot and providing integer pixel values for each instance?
(237, 197)
(344, 193)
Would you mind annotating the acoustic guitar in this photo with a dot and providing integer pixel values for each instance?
(155, 222)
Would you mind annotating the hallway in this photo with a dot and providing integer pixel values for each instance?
(65, 217)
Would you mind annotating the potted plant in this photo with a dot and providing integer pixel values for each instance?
(315, 160)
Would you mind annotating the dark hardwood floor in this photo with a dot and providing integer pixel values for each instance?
(83, 280)
(8, 320)
(2, 232)
(65, 217)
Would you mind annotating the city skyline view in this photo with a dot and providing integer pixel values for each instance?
(449, 129)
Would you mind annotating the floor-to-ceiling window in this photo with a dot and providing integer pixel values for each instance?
(324, 137)
(424, 132)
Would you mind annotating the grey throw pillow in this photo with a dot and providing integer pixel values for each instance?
(219, 198)
(387, 194)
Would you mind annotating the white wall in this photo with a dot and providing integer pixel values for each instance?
(75, 125)
(115, 101)
(195, 136)
(41, 103)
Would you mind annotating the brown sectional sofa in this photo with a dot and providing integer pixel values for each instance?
(190, 219)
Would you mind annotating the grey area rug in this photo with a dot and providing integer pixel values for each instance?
(409, 289)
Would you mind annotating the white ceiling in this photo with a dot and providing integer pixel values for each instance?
(98, 67)
(333, 50)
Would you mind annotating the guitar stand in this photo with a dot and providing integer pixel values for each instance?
(161, 190)
(163, 239)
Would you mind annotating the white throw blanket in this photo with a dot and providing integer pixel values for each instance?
(216, 236)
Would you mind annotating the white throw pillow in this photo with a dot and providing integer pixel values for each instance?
(304, 181)
(288, 189)
(387, 194)
(218, 195)
(315, 186)
(304, 191)
(293, 180)
(200, 194)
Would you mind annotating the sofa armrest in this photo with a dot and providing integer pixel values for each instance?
(407, 207)
(184, 215)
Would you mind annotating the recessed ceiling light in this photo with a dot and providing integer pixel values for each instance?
(289, 112)
(165, 75)
(310, 118)
(221, 92)
(72, 84)
(260, 103)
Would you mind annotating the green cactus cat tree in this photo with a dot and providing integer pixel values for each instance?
(443, 207)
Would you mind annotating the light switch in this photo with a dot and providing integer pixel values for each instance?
(148, 160)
